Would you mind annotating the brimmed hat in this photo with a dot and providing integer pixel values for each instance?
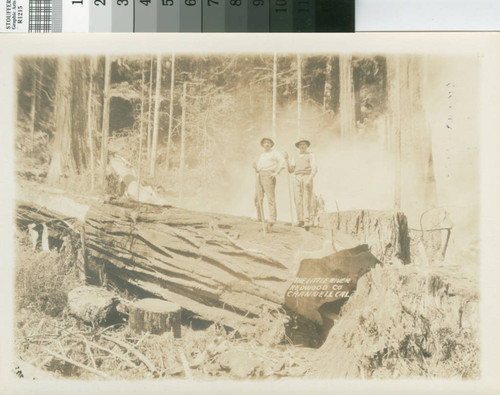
(303, 141)
(267, 138)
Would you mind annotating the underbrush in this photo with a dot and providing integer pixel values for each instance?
(67, 348)
(43, 279)
(49, 339)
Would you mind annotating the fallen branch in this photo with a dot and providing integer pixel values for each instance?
(79, 365)
(185, 365)
(126, 360)
(107, 328)
(89, 351)
(133, 351)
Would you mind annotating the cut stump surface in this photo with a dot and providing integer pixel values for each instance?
(155, 316)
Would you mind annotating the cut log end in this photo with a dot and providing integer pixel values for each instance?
(155, 316)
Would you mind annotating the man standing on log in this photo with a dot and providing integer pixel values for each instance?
(269, 165)
(304, 169)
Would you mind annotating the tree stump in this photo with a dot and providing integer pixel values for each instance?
(93, 305)
(155, 316)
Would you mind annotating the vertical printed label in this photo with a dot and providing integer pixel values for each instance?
(258, 15)
(14, 16)
(76, 16)
(100, 16)
(169, 16)
(122, 19)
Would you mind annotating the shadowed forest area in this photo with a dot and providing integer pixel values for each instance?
(67, 108)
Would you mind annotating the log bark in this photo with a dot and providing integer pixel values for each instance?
(105, 118)
(189, 258)
(220, 267)
(155, 316)
(400, 314)
(385, 232)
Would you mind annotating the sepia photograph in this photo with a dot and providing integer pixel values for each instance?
(256, 214)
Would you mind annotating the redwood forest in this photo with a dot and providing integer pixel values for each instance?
(145, 240)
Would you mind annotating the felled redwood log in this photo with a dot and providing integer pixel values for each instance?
(188, 258)
(385, 232)
(199, 268)
(155, 316)
(219, 267)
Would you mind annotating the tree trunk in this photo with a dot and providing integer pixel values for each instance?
(90, 124)
(394, 124)
(154, 143)
(400, 314)
(105, 120)
(386, 232)
(79, 117)
(62, 163)
(33, 102)
(171, 112)
(205, 156)
(139, 167)
(347, 102)
(327, 93)
(183, 139)
(415, 184)
(155, 316)
(149, 110)
(275, 66)
(299, 95)
(430, 179)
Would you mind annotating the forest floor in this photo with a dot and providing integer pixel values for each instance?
(51, 343)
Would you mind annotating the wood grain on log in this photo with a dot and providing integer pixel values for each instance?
(192, 258)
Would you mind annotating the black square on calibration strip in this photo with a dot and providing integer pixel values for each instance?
(40, 16)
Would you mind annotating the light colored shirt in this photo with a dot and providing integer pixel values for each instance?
(271, 161)
(311, 163)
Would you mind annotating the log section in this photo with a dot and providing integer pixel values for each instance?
(155, 316)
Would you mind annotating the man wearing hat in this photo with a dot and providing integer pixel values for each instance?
(269, 165)
(304, 169)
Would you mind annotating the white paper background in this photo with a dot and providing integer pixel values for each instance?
(427, 15)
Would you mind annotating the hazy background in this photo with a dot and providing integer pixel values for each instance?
(229, 108)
